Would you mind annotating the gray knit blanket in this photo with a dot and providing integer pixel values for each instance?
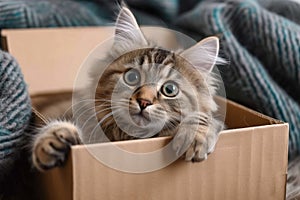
(15, 107)
(260, 38)
(15, 112)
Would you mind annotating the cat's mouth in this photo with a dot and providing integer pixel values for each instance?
(141, 118)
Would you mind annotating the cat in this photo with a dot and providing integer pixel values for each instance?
(146, 91)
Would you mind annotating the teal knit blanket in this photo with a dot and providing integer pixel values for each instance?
(262, 41)
(260, 38)
(15, 110)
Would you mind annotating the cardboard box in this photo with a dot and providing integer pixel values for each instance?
(249, 162)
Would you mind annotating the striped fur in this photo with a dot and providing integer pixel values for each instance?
(142, 109)
(157, 66)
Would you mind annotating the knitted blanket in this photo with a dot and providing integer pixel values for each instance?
(15, 111)
(260, 38)
(15, 108)
(262, 42)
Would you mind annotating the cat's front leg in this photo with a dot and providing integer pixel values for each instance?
(52, 144)
(196, 137)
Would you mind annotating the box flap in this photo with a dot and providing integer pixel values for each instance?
(55, 53)
(239, 116)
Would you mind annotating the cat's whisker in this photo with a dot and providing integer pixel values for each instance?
(120, 101)
(91, 101)
(112, 101)
(108, 107)
(86, 120)
(99, 124)
(102, 100)
(91, 105)
(95, 114)
(84, 105)
(79, 102)
(89, 109)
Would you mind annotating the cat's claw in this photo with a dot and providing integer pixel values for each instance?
(53, 144)
(200, 144)
(194, 147)
(196, 152)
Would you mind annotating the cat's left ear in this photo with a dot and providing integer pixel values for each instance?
(128, 32)
(204, 54)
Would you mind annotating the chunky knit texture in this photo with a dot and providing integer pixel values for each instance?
(36, 13)
(15, 107)
(263, 45)
(58, 13)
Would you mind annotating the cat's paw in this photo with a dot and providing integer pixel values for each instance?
(199, 149)
(194, 146)
(52, 145)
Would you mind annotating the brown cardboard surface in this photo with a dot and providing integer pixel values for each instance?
(249, 162)
(241, 117)
(245, 165)
(56, 184)
(58, 55)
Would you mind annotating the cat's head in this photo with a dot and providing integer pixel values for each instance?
(148, 90)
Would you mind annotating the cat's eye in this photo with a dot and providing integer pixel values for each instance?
(132, 77)
(170, 89)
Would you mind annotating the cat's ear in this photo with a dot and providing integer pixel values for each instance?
(128, 32)
(204, 54)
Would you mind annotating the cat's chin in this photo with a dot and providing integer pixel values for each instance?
(140, 120)
(140, 125)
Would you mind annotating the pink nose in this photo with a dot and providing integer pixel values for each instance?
(144, 103)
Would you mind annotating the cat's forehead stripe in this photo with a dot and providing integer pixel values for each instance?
(156, 63)
(156, 56)
(169, 60)
(162, 56)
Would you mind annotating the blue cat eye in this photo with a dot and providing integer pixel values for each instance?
(170, 89)
(132, 77)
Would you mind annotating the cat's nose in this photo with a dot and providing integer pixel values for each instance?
(143, 103)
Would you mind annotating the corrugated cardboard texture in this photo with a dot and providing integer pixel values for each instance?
(247, 164)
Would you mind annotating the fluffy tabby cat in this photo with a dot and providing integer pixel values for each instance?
(152, 87)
